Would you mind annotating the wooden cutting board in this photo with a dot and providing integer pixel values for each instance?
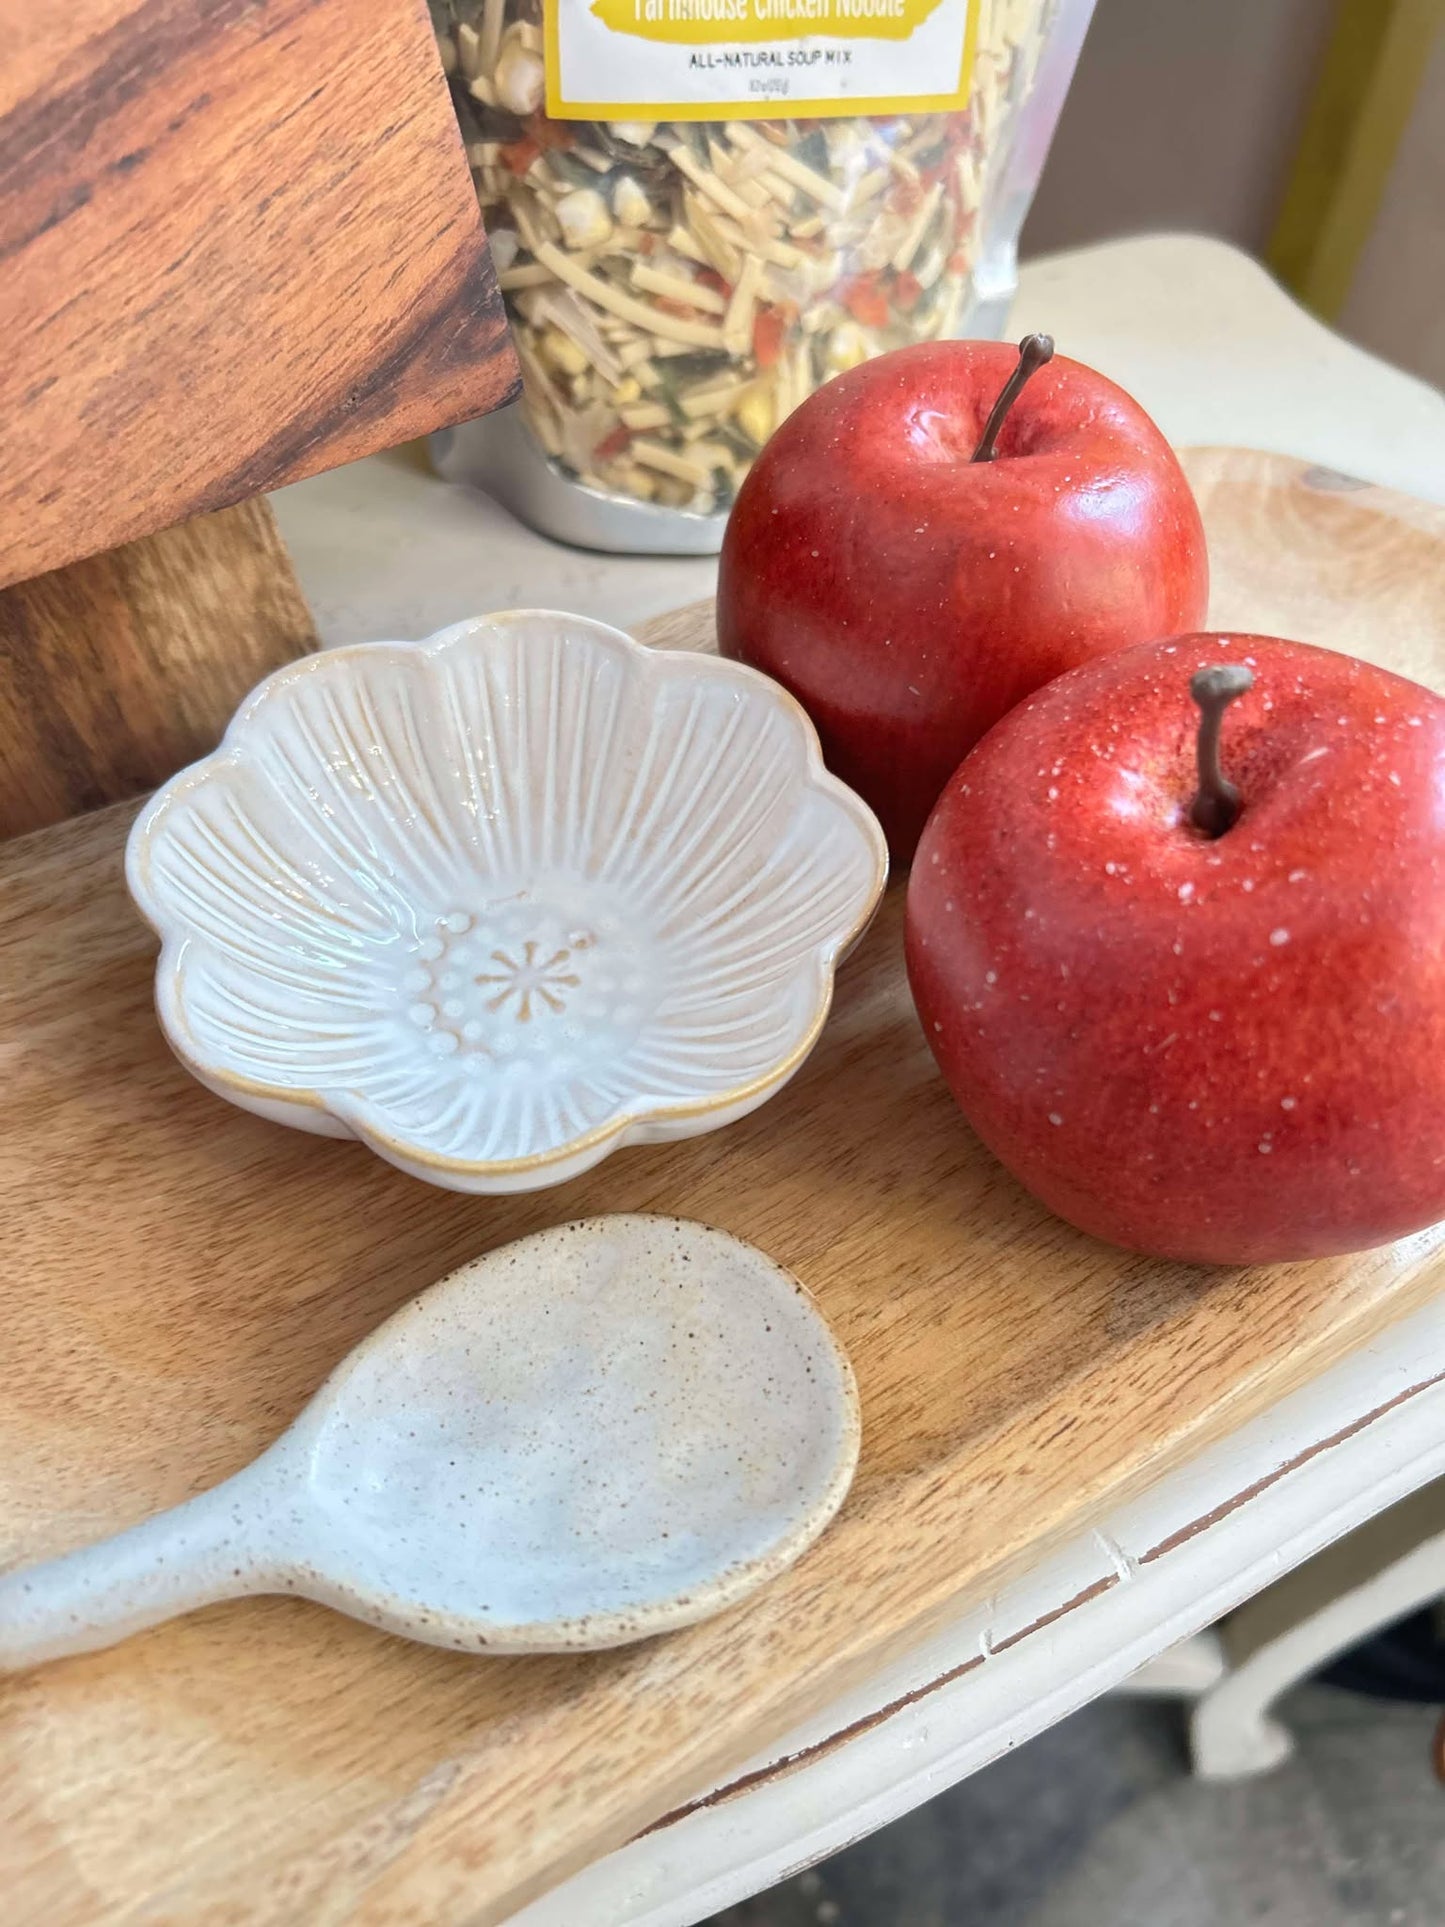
(240, 244)
(179, 1276)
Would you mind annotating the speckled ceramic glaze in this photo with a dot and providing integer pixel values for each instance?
(502, 901)
(601, 1432)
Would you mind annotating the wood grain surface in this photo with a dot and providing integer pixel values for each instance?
(240, 244)
(116, 671)
(179, 1276)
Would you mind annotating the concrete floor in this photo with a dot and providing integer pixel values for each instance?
(1098, 1824)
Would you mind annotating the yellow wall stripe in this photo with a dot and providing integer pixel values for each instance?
(1361, 104)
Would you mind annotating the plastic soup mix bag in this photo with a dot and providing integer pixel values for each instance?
(701, 210)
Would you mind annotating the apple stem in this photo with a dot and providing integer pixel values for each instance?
(1034, 351)
(1217, 802)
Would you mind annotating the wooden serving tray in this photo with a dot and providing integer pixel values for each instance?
(179, 1276)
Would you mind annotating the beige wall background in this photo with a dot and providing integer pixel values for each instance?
(1186, 114)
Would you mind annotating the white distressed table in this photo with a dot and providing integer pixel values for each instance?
(1218, 355)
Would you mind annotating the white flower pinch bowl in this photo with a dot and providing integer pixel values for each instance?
(502, 901)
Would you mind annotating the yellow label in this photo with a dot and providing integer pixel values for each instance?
(756, 59)
(712, 23)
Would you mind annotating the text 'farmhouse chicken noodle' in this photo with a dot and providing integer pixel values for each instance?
(701, 210)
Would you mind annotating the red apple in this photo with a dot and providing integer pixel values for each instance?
(910, 588)
(1221, 1047)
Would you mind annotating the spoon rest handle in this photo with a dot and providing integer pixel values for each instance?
(190, 1556)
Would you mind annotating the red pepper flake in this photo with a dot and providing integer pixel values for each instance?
(518, 156)
(613, 444)
(864, 299)
(768, 326)
(906, 290)
(710, 278)
(548, 133)
(957, 262)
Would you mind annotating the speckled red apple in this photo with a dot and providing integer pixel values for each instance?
(1227, 1048)
(927, 540)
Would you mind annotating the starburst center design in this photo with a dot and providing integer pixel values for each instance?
(478, 982)
(530, 978)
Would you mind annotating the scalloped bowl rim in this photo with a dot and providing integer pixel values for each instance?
(577, 1154)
